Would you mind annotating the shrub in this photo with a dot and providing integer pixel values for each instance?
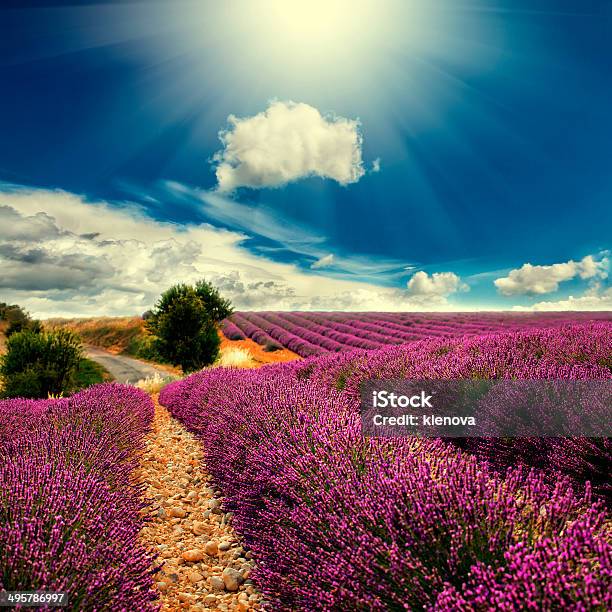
(11, 312)
(231, 331)
(24, 325)
(271, 346)
(39, 364)
(144, 347)
(184, 322)
(18, 319)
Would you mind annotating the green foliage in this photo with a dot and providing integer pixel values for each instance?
(89, 373)
(26, 325)
(184, 323)
(18, 319)
(145, 347)
(9, 310)
(39, 364)
(218, 307)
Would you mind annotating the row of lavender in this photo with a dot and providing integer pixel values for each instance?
(70, 511)
(317, 333)
(338, 521)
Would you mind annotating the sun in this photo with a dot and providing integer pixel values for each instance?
(315, 22)
(293, 34)
(330, 42)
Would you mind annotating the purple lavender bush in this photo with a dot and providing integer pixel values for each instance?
(70, 513)
(231, 331)
(566, 409)
(337, 521)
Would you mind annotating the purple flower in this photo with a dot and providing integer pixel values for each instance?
(70, 513)
(339, 521)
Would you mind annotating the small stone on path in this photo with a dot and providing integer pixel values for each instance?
(231, 579)
(192, 556)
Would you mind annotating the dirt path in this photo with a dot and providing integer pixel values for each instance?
(203, 566)
(123, 369)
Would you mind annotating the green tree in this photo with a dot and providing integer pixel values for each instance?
(39, 364)
(218, 307)
(184, 323)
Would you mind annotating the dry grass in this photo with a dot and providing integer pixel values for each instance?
(154, 384)
(111, 333)
(236, 357)
(256, 351)
(3, 326)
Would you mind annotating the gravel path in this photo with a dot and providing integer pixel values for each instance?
(123, 369)
(203, 566)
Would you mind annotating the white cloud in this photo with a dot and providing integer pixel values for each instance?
(538, 280)
(594, 298)
(438, 286)
(589, 267)
(70, 257)
(286, 142)
(323, 262)
(13, 227)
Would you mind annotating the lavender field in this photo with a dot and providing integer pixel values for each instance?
(317, 333)
(337, 521)
(70, 511)
(331, 520)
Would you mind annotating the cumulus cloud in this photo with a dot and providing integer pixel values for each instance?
(286, 142)
(49, 267)
(37, 227)
(323, 262)
(435, 287)
(64, 256)
(538, 280)
(595, 298)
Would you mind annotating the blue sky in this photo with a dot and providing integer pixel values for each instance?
(394, 155)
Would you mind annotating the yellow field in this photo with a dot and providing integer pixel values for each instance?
(111, 333)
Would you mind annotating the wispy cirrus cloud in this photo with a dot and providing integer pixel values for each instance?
(298, 239)
(323, 262)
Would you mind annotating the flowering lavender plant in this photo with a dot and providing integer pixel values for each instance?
(314, 333)
(339, 521)
(70, 511)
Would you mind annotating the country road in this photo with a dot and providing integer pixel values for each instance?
(123, 369)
